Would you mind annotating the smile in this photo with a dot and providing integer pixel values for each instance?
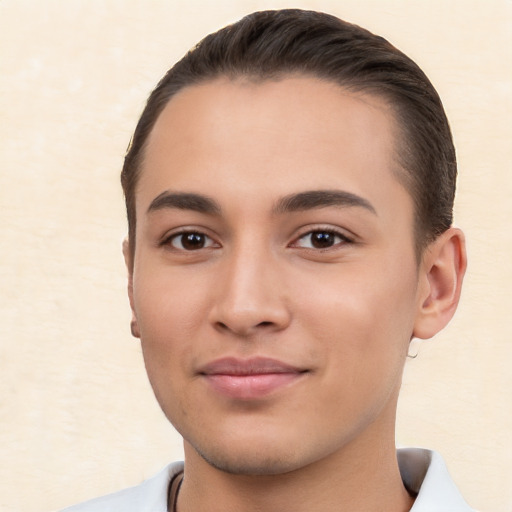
(249, 379)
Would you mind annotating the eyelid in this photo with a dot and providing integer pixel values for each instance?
(183, 230)
(339, 232)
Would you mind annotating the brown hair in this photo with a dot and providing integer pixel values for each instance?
(271, 44)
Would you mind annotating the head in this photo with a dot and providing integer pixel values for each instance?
(289, 190)
(272, 44)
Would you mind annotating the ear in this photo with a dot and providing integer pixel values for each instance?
(441, 273)
(128, 259)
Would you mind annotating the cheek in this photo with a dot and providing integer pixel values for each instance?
(362, 317)
(167, 303)
(365, 347)
(170, 312)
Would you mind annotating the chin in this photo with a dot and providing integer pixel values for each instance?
(259, 454)
(250, 464)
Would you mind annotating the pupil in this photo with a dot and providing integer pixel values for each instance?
(193, 241)
(321, 240)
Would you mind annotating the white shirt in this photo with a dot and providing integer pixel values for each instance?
(423, 472)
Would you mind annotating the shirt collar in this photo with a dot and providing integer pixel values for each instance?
(424, 473)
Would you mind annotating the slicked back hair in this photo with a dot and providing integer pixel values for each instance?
(270, 45)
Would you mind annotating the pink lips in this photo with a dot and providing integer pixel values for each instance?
(247, 379)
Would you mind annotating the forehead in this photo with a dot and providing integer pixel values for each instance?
(270, 136)
(305, 105)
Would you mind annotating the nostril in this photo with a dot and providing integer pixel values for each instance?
(242, 330)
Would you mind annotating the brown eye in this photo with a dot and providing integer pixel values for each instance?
(321, 240)
(191, 241)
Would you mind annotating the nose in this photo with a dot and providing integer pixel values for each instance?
(251, 297)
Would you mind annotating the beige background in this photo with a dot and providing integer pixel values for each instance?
(77, 417)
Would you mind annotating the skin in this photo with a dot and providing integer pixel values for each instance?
(256, 284)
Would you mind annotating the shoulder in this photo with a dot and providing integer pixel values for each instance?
(149, 496)
(425, 474)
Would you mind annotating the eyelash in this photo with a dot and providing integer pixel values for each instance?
(168, 241)
(343, 239)
(209, 242)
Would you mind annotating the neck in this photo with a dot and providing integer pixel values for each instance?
(362, 477)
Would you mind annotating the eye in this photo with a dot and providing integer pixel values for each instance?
(190, 241)
(321, 239)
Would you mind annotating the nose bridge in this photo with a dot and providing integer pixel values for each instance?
(251, 293)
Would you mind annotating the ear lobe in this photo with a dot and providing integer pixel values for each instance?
(128, 259)
(443, 268)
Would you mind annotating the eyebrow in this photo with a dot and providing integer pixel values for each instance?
(321, 199)
(184, 201)
(301, 201)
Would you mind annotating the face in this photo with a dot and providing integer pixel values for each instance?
(275, 283)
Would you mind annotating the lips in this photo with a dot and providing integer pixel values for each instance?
(247, 379)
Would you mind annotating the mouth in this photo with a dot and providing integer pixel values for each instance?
(249, 379)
